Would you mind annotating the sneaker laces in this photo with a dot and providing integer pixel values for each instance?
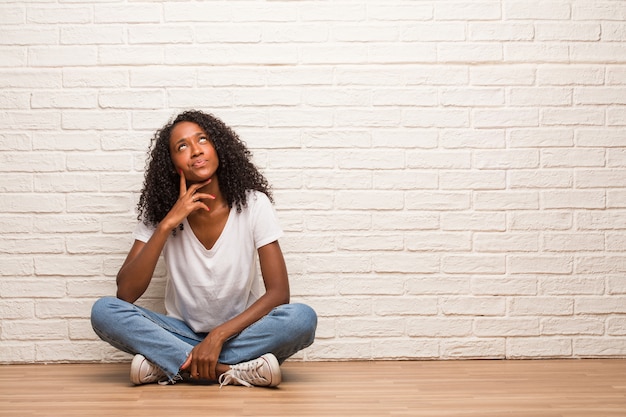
(167, 381)
(246, 374)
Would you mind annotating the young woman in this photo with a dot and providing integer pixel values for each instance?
(209, 211)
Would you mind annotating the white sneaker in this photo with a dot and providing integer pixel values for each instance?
(142, 371)
(260, 372)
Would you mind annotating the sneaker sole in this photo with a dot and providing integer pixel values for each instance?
(135, 365)
(272, 362)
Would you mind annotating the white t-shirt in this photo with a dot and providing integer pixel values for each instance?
(207, 287)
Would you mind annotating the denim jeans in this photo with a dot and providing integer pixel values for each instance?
(166, 341)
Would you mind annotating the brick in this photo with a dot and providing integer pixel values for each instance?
(61, 56)
(407, 180)
(14, 36)
(505, 159)
(601, 305)
(501, 31)
(439, 327)
(13, 265)
(58, 14)
(93, 35)
(135, 99)
(570, 242)
(572, 326)
(573, 199)
(429, 242)
(570, 75)
(393, 97)
(503, 286)
(362, 200)
(468, 10)
(437, 200)
(400, 220)
(469, 52)
(616, 326)
(607, 138)
(505, 242)
(537, 10)
(539, 264)
(534, 306)
(31, 330)
(575, 285)
(102, 120)
(405, 306)
(439, 32)
(540, 179)
(472, 139)
(16, 183)
(31, 120)
(536, 52)
(406, 263)
(16, 309)
(506, 75)
(568, 31)
(573, 158)
(472, 97)
(544, 96)
(12, 14)
(594, 52)
(367, 285)
(613, 31)
(354, 118)
(473, 264)
(602, 10)
(364, 159)
(599, 347)
(370, 327)
(406, 11)
(162, 34)
(405, 349)
(77, 308)
(590, 264)
(538, 347)
(434, 159)
(501, 118)
(128, 13)
(473, 221)
(13, 57)
(506, 200)
(499, 327)
(463, 180)
(95, 77)
(437, 285)
(287, 33)
(539, 138)
(70, 100)
(467, 348)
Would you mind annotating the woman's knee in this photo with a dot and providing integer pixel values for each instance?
(102, 309)
(304, 317)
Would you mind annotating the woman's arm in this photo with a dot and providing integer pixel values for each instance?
(136, 271)
(204, 357)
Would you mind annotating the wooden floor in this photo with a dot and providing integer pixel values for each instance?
(550, 388)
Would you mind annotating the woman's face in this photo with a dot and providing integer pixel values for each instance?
(193, 152)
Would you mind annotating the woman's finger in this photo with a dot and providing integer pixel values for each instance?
(183, 183)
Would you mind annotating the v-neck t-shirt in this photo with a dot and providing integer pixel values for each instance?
(207, 287)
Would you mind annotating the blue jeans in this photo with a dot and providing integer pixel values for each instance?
(166, 341)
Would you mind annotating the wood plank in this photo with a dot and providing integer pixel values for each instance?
(550, 388)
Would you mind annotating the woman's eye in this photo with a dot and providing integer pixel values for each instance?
(181, 147)
(203, 139)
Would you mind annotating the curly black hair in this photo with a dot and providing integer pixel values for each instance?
(236, 173)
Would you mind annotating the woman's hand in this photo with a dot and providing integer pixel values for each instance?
(189, 200)
(203, 359)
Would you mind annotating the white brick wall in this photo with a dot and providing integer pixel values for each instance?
(450, 174)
